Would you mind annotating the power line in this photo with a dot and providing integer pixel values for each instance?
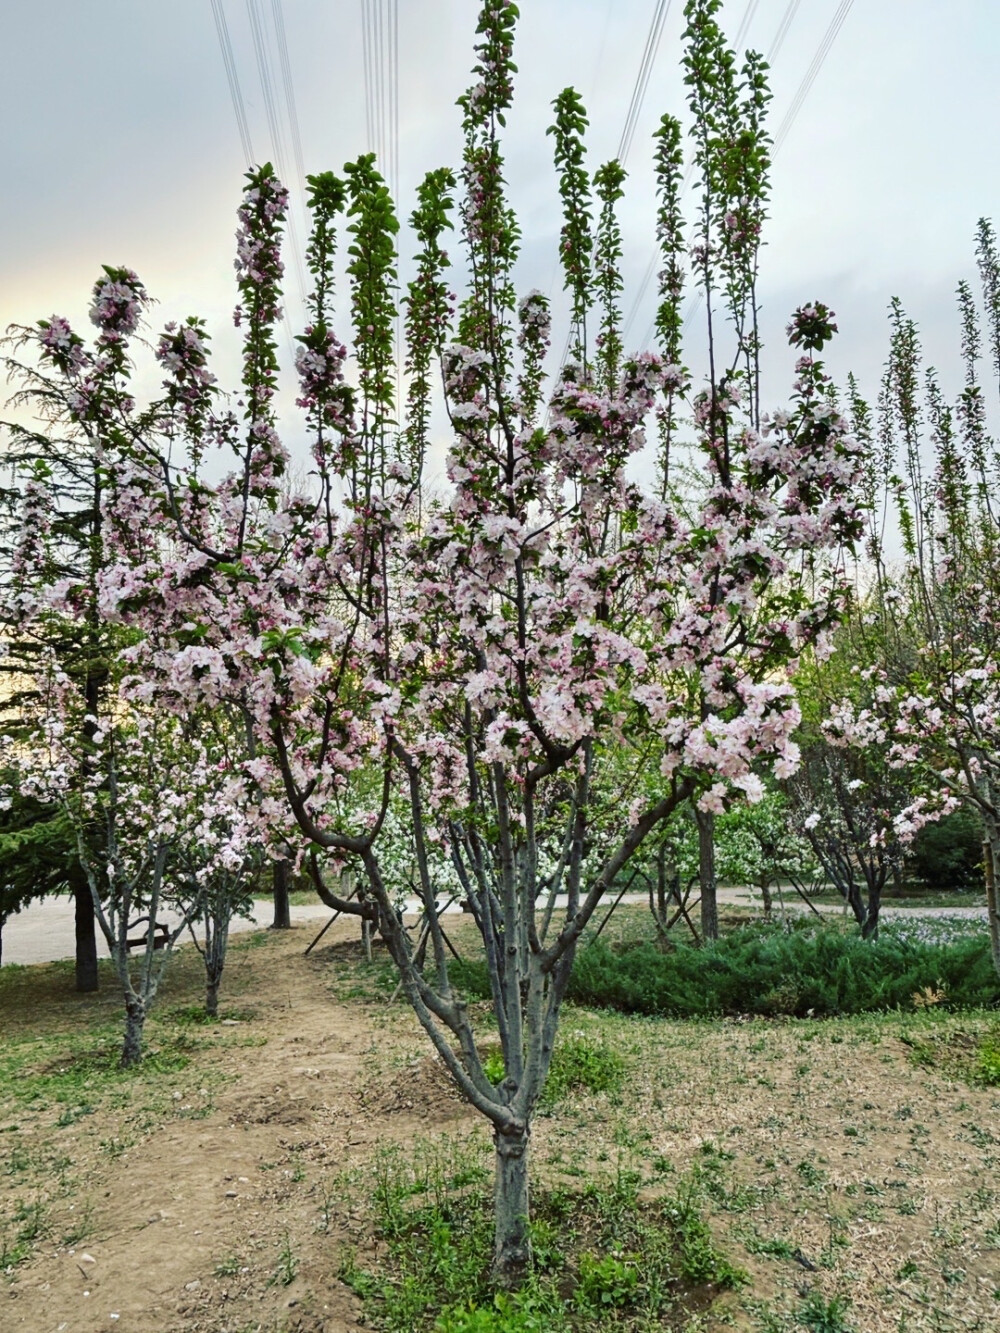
(278, 17)
(642, 78)
(380, 51)
(600, 50)
(748, 17)
(802, 92)
(232, 77)
(257, 32)
(782, 31)
(264, 72)
(639, 90)
(394, 84)
(367, 57)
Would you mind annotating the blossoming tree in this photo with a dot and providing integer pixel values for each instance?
(544, 663)
(934, 465)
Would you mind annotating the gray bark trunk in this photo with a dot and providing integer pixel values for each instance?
(86, 936)
(706, 874)
(511, 1246)
(135, 1018)
(991, 851)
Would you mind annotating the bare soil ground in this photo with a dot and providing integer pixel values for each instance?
(220, 1189)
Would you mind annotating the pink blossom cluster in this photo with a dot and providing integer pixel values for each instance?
(182, 351)
(61, 345)
(119, 299)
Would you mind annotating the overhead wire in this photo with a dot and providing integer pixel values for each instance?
(233, 79)
(288, 87)
(745, 22)
(639, 88)
(647, 277)
(380, 45)
(812, 73)
(367, 56)
(258, 34)
(782, 30)
(642, 78)
(394, 119)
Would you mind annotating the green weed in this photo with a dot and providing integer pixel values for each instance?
(581, 1064)
(599, 1253)
(822, 1316)
(988, 1061)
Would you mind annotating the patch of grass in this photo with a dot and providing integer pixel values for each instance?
(987, 1065)
(81, 1225)
(822, 1316)
(288, 1264)
(582, 1064)
(601, 1257)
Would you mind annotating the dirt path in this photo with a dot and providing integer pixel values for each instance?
(203, 1200)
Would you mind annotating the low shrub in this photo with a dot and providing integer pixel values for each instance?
(807, 971)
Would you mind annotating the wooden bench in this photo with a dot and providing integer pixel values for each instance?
(161, 938)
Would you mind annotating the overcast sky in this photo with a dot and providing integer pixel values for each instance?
(121, 144)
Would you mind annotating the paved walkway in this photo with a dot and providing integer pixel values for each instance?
(44, 931)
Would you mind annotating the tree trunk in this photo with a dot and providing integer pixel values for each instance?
(869, 927)
(86, 935)
(135, 1018)
(281, 880)
(512, 1245)
(215, 962)
(990, 848)
(706, 874)
(766, 898)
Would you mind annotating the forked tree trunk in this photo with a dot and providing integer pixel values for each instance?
(511, 1246)
(86, 936)
(212, 996)
(135, 1018)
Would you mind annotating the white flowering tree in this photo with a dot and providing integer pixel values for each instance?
(139, 787)
(935, 683)
(514, 660)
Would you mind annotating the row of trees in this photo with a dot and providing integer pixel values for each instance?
(516, 689)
